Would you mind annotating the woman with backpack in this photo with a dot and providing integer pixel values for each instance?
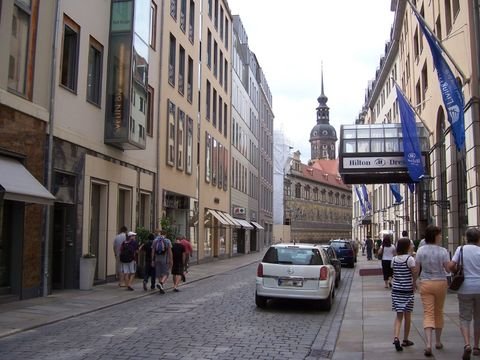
(128, 252)
(162, 259)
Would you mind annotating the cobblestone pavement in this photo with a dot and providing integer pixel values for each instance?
(215, 318)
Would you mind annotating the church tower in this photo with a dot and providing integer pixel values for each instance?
(323, 136)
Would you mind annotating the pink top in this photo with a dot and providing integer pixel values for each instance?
(186, 244)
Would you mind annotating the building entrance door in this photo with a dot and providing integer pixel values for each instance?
(63, 251)
(253, 240)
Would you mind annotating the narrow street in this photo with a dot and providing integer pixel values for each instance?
(215, 318)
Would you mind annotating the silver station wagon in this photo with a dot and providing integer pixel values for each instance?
(295, 271)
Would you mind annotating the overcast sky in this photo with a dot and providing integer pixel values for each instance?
(292, 38)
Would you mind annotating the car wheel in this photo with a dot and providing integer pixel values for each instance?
(260, 301)
(352, 265)
(327, 303)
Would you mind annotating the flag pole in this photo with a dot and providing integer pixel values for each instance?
(430, 132)
(454, 63)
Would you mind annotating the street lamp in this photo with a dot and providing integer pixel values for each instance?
(441, 203)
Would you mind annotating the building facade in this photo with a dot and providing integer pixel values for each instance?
(25, 76)
(125, 120)
(449, 195)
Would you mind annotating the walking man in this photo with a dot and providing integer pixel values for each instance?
(178, 267)
(369, 246)
(128, 253)
(162, 259)
(149, 268)
(117, 243)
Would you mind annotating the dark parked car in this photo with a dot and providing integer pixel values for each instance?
(335, 262)
(345, 251)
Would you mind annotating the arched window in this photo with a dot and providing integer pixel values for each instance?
(315, 194)
(307, 192)
(298, 191)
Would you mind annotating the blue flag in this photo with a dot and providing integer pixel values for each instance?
(451, 91)
(362, 205)
(411, 145)
(365, 197)
(395, 189)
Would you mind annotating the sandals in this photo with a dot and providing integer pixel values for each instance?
(467, 351)
(396, 342)
(439, 346)
(406, 343)
(476, 351)
(428, 352)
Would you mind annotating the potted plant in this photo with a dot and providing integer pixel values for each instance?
(88, 265)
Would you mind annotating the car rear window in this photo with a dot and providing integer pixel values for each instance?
(293, 256)
(341, 245)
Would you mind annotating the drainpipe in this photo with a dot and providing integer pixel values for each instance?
(51, 118)
(156, 211)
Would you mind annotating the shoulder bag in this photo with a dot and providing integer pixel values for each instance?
(458, 276)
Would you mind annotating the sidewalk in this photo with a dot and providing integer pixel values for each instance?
(23, 315)
(367, 327)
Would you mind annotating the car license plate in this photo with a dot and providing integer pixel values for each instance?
(290, 282)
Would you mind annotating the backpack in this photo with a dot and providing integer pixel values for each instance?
(160, 246)
(126, 253)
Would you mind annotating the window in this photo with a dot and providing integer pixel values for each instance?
(225, 119)
(210, 9)
(220, 72)
(171, 134)
(220, 114)
(94, 73)
(183, 15)
(455, 8)
(214, 108)
(215, 58)
(215, 13)
(424, 80)
(418, 91)
(190, 80)
(208, 157)
(226, 32)
(191, 28)
(150, 102)
(214, 161)
(208, 100)
(173, 9)
(180, 139)
(225, 76)
(298, 191)
(438, 28)
(171, 60)
(221, 22)
(181, 71)
(19, 46)
(153, 25)
(189, 146)
(448, 16)
(209, 49)
(71, 37)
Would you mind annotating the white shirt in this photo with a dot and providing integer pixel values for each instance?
(388, 252)
(471, 268)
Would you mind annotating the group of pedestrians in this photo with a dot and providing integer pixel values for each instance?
(431, 265)
(161, 258)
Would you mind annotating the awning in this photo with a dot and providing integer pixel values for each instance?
(18, 184)
(245, 224)
(257, 225)
(222, 214)
(234, 222)
(219, 217)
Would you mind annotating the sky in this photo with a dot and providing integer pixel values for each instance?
(291, 40)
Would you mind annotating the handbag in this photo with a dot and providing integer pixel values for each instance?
(458, 276)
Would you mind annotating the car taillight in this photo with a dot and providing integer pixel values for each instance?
(260, 270)
(323, 273)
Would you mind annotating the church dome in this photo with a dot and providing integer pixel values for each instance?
(323, 132)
